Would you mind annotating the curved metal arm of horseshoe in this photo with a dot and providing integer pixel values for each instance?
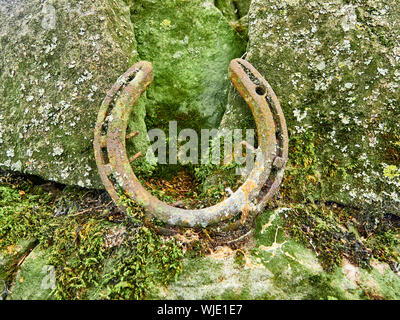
(250, 198)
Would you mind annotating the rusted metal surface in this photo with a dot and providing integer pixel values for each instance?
(263, 181)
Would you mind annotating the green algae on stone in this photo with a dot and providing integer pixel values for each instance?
(36, 280)
(81, 240)
(58, 60)
(277, 267)
(236, 13)
(227, 8)
(190, 44)
(242, 7)
(334, 68)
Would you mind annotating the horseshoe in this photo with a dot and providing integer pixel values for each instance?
(116, 173)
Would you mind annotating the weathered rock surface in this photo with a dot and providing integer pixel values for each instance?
(274, 267)
(58, 60)
(334, 68)
(60, 57)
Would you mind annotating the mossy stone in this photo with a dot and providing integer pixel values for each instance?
(227, 7)
(11, 255)
(59, 58)
(35, 280)
(190, 44)
(233, 9)
(278, 267)
(334, 68)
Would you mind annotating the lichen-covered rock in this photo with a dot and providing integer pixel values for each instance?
(36, 280)
(334, 67)
(58, 59)
(190, 44)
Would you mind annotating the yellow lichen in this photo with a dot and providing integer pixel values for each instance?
(391, 172)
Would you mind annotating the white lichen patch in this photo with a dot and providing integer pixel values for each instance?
(10, 153)
(55, 77)
(57, 151)
(338, 82)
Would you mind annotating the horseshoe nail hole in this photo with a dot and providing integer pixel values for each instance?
(278, 136)
(104, 155)
(260, 91)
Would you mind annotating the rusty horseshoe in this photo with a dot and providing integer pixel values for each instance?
(250, 198)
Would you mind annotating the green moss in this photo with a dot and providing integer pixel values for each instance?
(90, 266)
(384, 246)
(338, 91)
(298, 252)
(77, 252)
(91, 256)
(380, 284)
(302, 170)
(154, 262)
(24, 209)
